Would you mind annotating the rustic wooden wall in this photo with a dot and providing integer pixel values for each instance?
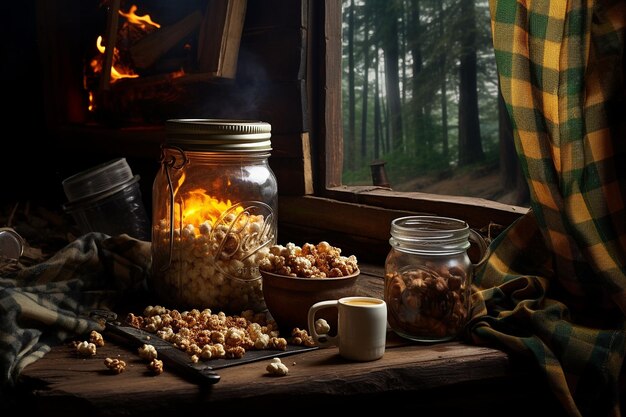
(270, 85)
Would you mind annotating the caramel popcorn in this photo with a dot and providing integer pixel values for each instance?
(96, 338)
(116, 366)
(235, 352)
(156, 366)
(279, 343)
(309, 261)
(301, 337)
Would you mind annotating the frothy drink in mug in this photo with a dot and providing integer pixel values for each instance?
(361, 327)
(362, 302)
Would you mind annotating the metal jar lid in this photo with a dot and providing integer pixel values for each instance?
(219, 135)
(98, 180)
(11, 244)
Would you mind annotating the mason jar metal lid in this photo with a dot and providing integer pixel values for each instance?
(433, 235)
(11, 244)
(219, 135)
(97, 180)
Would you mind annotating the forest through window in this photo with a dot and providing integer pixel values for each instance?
(420, 100)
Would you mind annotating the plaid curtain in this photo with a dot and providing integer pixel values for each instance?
(554, 285)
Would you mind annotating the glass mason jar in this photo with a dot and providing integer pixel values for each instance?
(214, 214)
(428, 277)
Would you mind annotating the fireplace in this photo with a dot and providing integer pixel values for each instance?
(258, 68)
(145, 60)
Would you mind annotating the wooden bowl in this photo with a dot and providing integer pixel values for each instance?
(288, 299)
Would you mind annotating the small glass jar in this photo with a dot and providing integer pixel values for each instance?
(214, 214)
(428, 277)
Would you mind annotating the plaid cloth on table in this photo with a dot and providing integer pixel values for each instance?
(554, 285)
(46, 304)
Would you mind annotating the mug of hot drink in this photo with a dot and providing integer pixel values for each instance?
(361, 327)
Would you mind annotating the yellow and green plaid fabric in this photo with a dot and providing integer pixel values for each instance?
(554, 285)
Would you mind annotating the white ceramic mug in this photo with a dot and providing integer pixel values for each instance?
(361, 327)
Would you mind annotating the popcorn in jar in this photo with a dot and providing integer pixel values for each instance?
(214, 205)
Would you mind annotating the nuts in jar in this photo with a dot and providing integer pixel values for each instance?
(428, 277)
(427, 302)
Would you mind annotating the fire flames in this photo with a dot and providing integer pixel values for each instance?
(120, 70)
(199, 207)
(138, 20)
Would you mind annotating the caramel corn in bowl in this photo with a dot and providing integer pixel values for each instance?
(294, 278)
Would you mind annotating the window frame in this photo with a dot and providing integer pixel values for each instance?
(355, 218)
(325, 37)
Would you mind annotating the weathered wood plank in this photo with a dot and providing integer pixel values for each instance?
(328, 94)
(477, 212)
(331, 215)
(220, 37)
(72, 386)
(446, 378)
(291, 162)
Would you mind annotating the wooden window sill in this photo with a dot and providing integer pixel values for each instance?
(359, 222)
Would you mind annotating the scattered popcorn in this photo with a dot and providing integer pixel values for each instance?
(276, 367)
(117, 366)
(86, 348)
(96, 338)
(310, 261)
(205, 335)
(147, 352)
(322, 326)
(156, 366)
(301, 337)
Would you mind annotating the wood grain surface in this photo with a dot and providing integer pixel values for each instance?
(451, 378)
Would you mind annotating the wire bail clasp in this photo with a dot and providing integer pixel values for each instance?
(171, 162)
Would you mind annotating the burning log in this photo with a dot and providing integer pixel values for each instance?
(194, 48)
(111, 37)
(220, 36)
(146, 51)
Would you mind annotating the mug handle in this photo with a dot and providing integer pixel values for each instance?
(324, 340)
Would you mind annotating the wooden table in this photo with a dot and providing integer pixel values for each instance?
(450, 378)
